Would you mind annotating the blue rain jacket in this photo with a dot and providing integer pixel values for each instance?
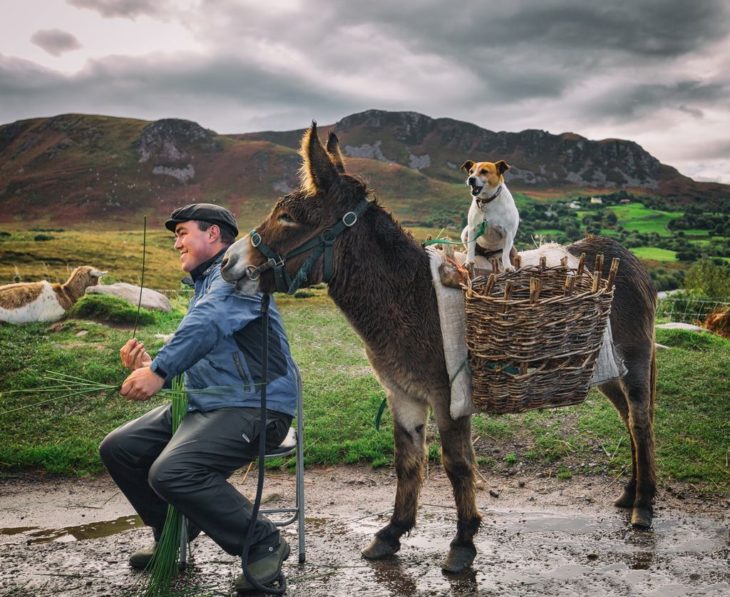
(218, 347)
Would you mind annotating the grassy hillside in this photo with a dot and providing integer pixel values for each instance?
(341, 397)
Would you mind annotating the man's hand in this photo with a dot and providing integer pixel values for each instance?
(141, 384)
(133, 355)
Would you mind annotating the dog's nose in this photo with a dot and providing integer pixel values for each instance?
(472, 180)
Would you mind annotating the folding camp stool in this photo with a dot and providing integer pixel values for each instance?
(293, 443)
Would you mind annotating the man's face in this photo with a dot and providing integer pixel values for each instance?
(195, 245)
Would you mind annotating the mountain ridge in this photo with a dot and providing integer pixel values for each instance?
(73, 169)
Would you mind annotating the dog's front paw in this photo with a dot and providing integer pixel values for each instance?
(469, 266)
(509, 268)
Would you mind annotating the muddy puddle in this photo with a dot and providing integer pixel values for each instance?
(93, 530)
(539, 537)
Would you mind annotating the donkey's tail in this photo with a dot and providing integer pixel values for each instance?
(652, 380)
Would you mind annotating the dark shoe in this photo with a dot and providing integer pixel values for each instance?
(141, 559)
(266, 569)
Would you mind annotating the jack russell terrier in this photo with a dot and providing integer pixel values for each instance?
(491, 203)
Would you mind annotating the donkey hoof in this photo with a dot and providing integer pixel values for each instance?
(641, 518)
(379, 549)
(459, 559)
(626, 500)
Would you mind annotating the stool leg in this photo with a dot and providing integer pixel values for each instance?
(183, 561)
(300, 488)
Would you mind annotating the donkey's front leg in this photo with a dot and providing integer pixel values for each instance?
(459, 461)
(410, 458)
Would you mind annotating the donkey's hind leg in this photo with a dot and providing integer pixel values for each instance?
(640, 388)
(614, 391)
(457, 455)
(410, 458)
(633, 397)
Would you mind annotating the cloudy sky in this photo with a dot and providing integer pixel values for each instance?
(654, 71)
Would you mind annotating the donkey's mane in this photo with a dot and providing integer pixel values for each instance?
(386, 269)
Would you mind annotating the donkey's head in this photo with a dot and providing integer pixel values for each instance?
(293, 247)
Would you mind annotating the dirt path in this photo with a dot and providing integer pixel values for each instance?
(540, 537)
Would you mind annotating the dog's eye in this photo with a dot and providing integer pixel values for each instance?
(483, 171)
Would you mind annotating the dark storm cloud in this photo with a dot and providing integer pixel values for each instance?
(162, 88)
(639, 99)
(120, 8)
(526, 49)
(55, 41)
(660, 28)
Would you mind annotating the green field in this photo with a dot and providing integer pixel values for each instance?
(636, 217)
(654, 254)
(341, 398)
(117, 252)
(550, 232)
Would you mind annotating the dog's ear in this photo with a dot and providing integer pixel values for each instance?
(502, 166)
(466, 166)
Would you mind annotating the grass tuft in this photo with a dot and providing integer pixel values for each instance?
(110, 309)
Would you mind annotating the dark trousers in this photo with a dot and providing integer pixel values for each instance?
(190, 469)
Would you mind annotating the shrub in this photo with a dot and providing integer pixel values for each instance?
(111, 309)
(42, 237)
(687, 306)
(709, 278)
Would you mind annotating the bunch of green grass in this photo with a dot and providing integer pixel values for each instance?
(59, 386)
(164, 566)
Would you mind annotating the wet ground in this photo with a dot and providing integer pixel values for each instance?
(539, 537)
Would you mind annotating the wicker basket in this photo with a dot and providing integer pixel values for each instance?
(534, 334)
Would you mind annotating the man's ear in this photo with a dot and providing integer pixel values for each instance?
(214, 232)
(466, 166)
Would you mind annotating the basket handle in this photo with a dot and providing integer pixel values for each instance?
(569, 284)
(581, 264)
(597, 270)
(507, 294)
(535, 287)
(612, 273)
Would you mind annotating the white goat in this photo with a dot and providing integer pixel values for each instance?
(43, 301)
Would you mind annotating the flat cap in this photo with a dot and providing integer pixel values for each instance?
(204, 212)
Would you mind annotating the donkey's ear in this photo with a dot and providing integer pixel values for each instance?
(318, 173)
(333, 148)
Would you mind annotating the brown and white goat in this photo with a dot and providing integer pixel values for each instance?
(29, 302)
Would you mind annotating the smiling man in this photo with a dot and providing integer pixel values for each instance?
(217, 346)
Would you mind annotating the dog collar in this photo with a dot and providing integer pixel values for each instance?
(482, 202)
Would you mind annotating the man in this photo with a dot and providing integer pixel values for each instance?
(218, 347)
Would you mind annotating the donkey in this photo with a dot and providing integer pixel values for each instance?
(332, 229)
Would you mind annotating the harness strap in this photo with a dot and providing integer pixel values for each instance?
(319, 244)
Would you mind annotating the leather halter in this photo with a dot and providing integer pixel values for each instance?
(322, 243)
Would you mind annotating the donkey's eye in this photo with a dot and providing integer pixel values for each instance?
(285, 218)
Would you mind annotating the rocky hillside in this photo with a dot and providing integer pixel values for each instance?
(72, 170)
(437, 147)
